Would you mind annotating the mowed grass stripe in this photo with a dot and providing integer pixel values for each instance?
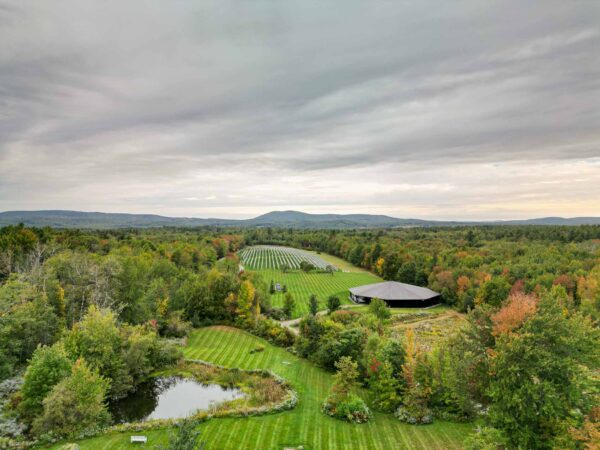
(304, 425)
(302, 285)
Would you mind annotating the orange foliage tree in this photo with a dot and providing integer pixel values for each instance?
(518, 308)
(463, 283)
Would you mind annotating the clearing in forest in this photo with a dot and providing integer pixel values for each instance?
(430, 327)
(268, 260)
(305, 425)
(303, 285)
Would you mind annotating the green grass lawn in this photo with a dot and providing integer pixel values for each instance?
(305, 425)
(267, 262)
(302, 285)
(340, 263)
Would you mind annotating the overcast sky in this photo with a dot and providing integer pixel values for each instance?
(442, 110)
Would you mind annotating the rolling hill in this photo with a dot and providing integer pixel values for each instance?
(281, 219)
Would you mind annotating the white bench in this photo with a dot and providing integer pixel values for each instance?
(139, 439)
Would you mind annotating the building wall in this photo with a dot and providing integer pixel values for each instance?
(400, 303)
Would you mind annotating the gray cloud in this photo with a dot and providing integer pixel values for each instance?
(123, 106)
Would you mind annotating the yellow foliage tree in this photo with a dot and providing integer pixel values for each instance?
(246, 302)
(589, 287)
(379, 266)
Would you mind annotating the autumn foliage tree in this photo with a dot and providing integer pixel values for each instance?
(588, 434)
(514, 313)
(247, 307)
(414, 408)
(543, 372)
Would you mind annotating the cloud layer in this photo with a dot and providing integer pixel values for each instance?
(444, 110)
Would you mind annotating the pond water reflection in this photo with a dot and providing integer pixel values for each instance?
(168, 398)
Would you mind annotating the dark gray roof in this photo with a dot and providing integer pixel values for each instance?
(393, 290)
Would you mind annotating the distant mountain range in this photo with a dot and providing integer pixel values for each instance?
(281, 219)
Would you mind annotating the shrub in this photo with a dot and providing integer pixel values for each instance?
(380, 309)
(166, 353)
(273, 332)
(185, 437)
(344, 316)
(260, 348)
(176, 327)
(352, 409)
(10, 427)
(414, 415)
(276, 314)
(485, 439)
(305, 266)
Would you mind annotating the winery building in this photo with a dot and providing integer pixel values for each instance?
(395, 294)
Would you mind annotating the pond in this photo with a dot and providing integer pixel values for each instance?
(169, 398)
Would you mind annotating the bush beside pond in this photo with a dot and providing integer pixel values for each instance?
(267, 393)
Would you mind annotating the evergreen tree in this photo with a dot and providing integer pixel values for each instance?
(333, 303)
(380, 309)
(385, 388)
(313, 305)
(289, 304)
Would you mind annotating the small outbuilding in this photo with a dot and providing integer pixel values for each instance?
(395, 294)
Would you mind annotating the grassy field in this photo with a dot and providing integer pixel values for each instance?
(305, 425)
(302, 285)
(340, 263)
(267, 261)
(433, 328)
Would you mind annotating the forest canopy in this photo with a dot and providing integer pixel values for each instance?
(106, 308)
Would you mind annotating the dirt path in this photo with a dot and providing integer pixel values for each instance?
(292, 324)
